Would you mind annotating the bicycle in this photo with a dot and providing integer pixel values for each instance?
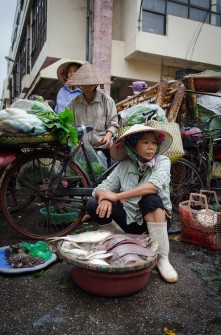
(203, 149)
(47, 175)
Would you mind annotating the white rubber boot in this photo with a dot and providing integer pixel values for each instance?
(158, 231)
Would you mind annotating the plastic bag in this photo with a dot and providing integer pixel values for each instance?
(97, 159)
(14, 120)
(31, 106)
(39, 249)
(134, 115)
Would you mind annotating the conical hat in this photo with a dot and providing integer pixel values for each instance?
(118, 151)
(62, 70)
(88, 74)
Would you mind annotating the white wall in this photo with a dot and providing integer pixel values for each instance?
(66, 29)
(180, 31)
(130, 69)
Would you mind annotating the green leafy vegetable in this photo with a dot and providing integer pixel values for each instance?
(60, 125)
(97, 168)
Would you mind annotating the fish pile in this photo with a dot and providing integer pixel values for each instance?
(17, 257)
(107, 248)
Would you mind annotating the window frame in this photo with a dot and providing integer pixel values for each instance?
(209, 16)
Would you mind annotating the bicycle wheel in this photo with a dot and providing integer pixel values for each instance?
(185, 179)
(199, 163)
(33, 187)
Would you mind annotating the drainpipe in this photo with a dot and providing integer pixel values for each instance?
(89, 39)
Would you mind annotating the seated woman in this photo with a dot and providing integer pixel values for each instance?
(136, 194)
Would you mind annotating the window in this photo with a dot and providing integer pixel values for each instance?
(39, 28)
(199, 15)
(154, 13)
(153, 23)
(177, 9)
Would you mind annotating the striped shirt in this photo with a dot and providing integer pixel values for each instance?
(124, 178)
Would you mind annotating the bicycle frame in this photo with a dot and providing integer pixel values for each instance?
(209, 138)
(93, 181)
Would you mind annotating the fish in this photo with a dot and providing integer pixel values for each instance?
(124, 249)
(89, 236)
(71, 245)
(100, 255)
(95, 261)
(75, 252)
(112, 241)
(128, 259)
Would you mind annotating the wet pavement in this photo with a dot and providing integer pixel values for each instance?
(53, 304)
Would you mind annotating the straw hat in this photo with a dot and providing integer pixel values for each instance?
(62, 70)
(118, 151)
(88, 74)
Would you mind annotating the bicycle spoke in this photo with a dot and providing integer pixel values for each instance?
(185, 179)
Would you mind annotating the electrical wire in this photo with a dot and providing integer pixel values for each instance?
(194, 39)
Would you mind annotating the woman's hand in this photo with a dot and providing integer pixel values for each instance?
(104, 209)
(107, 195)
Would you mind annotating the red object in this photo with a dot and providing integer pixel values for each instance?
(217, 152)
(111, 284)
(6, 157)
(193, 231)
(207, 84)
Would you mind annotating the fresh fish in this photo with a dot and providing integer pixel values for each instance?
(124, 249)
(100, 255)
(112, 241)
(75, 252)
(128, 259)
(89, 236)
(71, 245)
(96, 261)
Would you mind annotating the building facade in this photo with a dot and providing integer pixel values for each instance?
(128, 40)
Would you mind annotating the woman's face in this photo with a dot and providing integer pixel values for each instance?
(146, 146)
(71, 70)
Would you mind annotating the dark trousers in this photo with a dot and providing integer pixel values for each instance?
(148, 203)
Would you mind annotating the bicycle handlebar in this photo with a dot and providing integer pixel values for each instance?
(84, 129)
(151, 111)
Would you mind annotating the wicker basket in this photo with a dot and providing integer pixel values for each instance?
(60, 219)
(14, 139)
(200, 224)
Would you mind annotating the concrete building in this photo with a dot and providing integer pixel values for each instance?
(127, 39)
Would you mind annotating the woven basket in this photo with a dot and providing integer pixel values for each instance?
(176, 151)
(107, 268)
(13, 139)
